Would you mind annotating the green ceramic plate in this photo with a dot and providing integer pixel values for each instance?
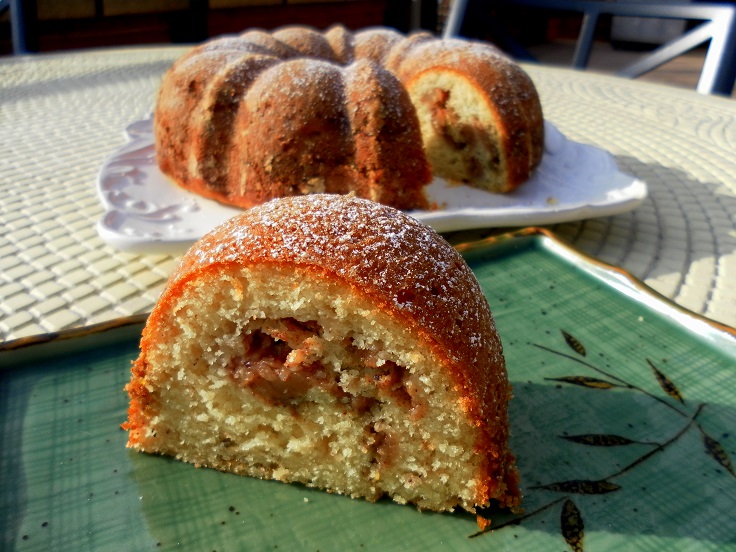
(624, 424)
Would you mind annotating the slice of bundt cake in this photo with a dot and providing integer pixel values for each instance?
(335, 342)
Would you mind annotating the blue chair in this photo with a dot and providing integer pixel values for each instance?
(718, 27)
(17, 24)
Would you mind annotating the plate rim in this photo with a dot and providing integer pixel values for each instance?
(560, 245)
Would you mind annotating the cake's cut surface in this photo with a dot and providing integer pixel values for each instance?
(335, 342)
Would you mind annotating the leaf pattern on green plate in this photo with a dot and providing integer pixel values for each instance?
(571, 524)
(716, 450)
(571, 515)
(585, 381)
(665, 383)
(574, 343)
(581, 486)
(601, 440)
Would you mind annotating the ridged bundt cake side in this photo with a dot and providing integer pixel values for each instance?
(309, 126)
(332, 341)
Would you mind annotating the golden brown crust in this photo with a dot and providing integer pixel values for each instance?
(395, 261)
(342, 43)
(262, 42)
(288, 150)
(182, 90)
(307, 42)
(388, 147)
(375, 44)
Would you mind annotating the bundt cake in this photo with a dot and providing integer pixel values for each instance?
(332, 341)
(244, 119)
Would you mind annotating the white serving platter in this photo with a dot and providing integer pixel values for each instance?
(145, 212)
